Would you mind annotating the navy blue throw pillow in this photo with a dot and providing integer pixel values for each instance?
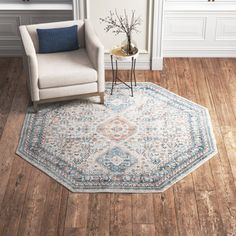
(58, 39)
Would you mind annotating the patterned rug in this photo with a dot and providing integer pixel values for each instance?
(143, 143)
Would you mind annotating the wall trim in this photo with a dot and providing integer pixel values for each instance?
(213, 52)
(157, 37)
(157, 63)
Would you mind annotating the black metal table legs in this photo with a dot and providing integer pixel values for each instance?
(132, 75)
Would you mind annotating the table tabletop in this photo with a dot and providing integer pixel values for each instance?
(118, 54)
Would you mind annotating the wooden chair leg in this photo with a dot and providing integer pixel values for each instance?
(102, 100)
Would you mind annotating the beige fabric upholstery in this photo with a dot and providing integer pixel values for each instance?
(95, 52)
(67, 91)
(64, 74)
(32, 63)
(65, 69)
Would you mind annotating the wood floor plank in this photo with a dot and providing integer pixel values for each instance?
(11, 70)
(121, 214)
(165, 216)
(62, 213)
(14, 171)
(5, 69)
(99, 214)
(186, 209)
(227, 70)
(219, 93)
(75, 232)
(229, 74)
(142, 207)
(206, 197)
(77, 210)
(168, 75)
(10, 137)
(185, 200)
(229, 137)
(49, 224)
(221, 169)
(144, 230)
(11, 213)
(35, 198)
(225, 187)
(228, 78)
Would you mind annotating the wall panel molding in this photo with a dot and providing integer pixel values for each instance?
(213, 36)
(185, 28)
(225, 28)
(9, 27)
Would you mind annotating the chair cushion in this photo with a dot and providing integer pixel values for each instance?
(65, 69)
(58, 39)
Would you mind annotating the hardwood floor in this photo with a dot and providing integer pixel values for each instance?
(203, 203)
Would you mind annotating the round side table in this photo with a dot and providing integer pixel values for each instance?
(118, 55)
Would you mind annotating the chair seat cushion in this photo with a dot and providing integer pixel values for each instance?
(65, 69)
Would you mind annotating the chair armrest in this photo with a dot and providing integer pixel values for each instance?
(32, 63)
(95, 51)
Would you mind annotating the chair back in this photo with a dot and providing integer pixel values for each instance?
(32, 29)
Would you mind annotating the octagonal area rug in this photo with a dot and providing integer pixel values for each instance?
(143, 143)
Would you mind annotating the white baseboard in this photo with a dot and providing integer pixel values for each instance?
(199, 53)
(157, 63)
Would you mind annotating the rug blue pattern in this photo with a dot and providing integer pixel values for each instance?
(144, 143)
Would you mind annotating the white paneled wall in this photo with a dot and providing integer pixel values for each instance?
(185, 28)
(148, 40)
(226, 28)
(200, 28)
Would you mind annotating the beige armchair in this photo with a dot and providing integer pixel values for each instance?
(64, 75)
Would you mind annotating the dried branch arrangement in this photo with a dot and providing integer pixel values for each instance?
(121, 23)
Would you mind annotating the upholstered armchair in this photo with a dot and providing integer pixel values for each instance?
(64, 75)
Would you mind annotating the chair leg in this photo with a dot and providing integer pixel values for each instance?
(35, 105)
(102, 100)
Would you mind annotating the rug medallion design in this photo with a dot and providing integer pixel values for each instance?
(143, 143)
